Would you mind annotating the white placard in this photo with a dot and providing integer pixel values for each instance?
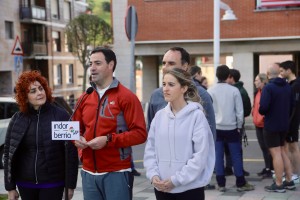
(65, 130)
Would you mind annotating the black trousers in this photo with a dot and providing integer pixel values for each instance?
(194, 194)
(41, 194)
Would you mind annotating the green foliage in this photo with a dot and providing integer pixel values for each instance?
(87, 30)
(3, 197)
(91, 5)
(101, 8)
(106, 6)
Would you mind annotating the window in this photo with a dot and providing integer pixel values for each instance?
(277, 4)
(57, 72)
(38, 33)
(67, 11)
(68, 45)
(54, 9)
(56, 41)
(69, 74)
(9, 30)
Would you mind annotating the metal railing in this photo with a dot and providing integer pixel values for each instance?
(33, 12)
(35, 48)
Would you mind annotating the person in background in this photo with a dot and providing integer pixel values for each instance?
(111, 121)
(234, 79)
(33, 162)
(198, 79)
(275, 104)
(228, 107)
(179, 155)
(196, 74)
(288, 71)
(204, 82)
(260, 81)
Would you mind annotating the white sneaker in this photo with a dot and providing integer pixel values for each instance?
(295, 179)
(274, 176)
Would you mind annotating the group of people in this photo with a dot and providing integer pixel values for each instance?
(189, 130)
(276, 116)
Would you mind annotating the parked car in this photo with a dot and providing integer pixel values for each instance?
(8, 108)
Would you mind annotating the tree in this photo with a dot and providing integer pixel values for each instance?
(87, 30)
(106, 6)
(91, 4)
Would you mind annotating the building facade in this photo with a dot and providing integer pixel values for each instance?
(9, 26)
(40, 26)
(265, 32)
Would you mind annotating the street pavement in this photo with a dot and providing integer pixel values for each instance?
(143, 190)
(253, 163)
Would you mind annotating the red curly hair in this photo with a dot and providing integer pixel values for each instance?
(22, 88)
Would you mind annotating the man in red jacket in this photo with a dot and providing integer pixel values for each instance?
(111, 121)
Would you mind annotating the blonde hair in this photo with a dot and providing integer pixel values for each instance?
(263, 78)
(184, 78)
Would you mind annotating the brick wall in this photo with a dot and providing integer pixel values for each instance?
(193, 19)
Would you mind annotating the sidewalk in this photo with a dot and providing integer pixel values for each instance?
(143, 190)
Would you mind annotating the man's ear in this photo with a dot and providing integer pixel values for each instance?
(111, 64)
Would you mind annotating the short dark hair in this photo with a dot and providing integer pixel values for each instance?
(222, 72)
(194, 70)
(288, 65)
(108, 54)
(185, 56)
(235, 74)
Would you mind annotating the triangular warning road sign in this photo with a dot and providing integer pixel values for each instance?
(17, 50)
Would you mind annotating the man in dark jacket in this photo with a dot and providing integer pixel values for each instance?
(178, 57)
(275, 106)
(234, 79)
(288, 71)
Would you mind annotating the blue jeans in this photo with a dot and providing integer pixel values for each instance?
(110, 186)
(232, 139)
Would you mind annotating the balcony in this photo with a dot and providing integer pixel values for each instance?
(34, 49)
(33, 12)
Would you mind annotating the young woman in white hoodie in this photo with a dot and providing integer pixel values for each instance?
(180, 152)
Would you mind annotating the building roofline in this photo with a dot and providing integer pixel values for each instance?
(211, 40)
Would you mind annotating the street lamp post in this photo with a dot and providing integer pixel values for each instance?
(229, 15)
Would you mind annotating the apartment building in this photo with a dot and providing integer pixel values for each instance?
(9, 26)
(40, 26)
(265, 31)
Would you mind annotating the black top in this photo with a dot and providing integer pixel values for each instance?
(30, 154)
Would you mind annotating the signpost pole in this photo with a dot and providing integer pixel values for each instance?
(131, 30)
(132, 48)
(18, 53)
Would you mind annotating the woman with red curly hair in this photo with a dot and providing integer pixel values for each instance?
(33, 162)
